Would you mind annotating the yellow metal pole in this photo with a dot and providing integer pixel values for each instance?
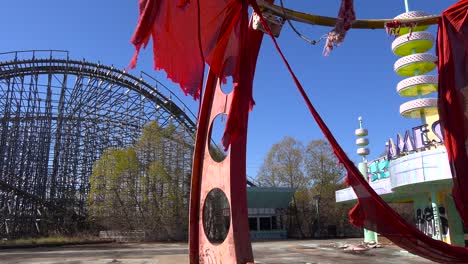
(331, 21)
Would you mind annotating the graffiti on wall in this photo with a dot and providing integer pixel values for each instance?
(444, 223)
(426, 222)
(378, 169)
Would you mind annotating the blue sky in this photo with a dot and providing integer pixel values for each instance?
(357, 79)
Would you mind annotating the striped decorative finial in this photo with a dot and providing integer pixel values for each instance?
(362, 141)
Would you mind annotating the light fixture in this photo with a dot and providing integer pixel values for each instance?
(275, 23)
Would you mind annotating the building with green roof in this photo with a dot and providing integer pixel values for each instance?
(267, 209)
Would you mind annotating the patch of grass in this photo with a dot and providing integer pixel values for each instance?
(48, 240)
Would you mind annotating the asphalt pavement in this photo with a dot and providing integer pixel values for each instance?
(286, 251)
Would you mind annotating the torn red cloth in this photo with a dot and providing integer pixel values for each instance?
(371, 211)
(346, 17)
(452, 50)
(186, 34)
(393, 27)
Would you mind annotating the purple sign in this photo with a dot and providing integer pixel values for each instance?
(414, 141)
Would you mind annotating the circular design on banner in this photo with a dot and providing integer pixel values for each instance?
(361, 132)
(416, 42)
(216, 216)
(362, 142)
(412, 14)
(412, 109)
(418, 85)
(363, 151)
(415, 64)
(215, 146)
(227, 85)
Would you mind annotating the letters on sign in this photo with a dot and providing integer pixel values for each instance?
(414, 141)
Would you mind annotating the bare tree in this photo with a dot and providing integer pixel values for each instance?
(283, 167)
(314, 173)
(323, 169)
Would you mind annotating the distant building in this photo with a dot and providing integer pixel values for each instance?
(423, 179)
(267, 212)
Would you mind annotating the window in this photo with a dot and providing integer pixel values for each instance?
(274, 226)
(265, 223)
(253, 223)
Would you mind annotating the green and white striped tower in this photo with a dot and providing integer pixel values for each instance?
(412, 46)
(362, 142)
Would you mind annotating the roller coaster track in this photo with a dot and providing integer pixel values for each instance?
(20, 67)
(31, 174)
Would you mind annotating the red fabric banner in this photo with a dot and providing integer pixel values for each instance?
(452, 50)
(186, 34)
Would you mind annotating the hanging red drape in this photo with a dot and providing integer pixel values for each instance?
(187, 33)
(452, 50)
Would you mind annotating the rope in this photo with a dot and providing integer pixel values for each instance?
(302, 36)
